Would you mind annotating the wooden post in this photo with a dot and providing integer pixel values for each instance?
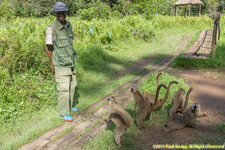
(189, 10)
(176, 10)
(185, 9)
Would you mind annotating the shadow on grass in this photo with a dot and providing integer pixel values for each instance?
(215, 62)
(95, 61)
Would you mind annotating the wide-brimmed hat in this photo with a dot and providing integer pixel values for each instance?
(60, 6)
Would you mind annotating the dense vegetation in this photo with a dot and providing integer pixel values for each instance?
(89, 9)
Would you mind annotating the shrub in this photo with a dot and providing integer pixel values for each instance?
(97, 10)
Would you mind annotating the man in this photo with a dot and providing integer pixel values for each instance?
(59, 48)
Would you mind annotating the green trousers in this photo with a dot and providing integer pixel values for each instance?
(65, 83)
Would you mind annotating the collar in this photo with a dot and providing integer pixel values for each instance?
(61, 26)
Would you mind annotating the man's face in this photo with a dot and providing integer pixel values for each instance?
(61, 16)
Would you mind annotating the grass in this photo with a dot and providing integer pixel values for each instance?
(28, 128)
(99, 82)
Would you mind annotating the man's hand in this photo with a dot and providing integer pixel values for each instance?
(53, 68)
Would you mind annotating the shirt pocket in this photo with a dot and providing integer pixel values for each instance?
(64, 59)
(62, 41)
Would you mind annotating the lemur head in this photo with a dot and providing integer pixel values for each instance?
(134, 89)
(112, 100)
(195, 107)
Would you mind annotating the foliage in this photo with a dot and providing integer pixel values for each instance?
(6, 11)
(97, 10)
(23, 46)
(24, 95)
(103, 8)
(125, 7)
(28, 8)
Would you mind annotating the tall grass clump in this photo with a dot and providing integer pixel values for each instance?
(26, 83)
(180, 21)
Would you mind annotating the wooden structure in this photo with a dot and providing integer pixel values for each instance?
(188, 2)
(201, 48)
(216, 30)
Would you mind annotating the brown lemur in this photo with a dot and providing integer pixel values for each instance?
(180, 110)
(149, 97)
(177, 102)
(120, 117)
(142, 106)
(190, 116)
